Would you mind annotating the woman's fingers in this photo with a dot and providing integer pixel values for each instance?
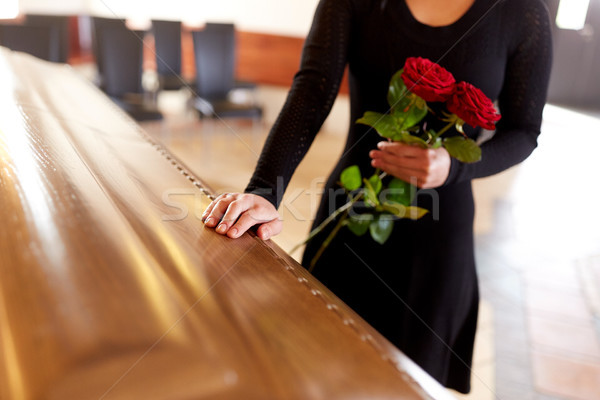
(243, 223)
(406, 174)
(234, 214)
(239, 206)
(217, 209)
(427, 168)
(406, 168)
(419, 164)
(401, 149)
(210, 208)
(212, 205)
(269, 229)
(264, 215)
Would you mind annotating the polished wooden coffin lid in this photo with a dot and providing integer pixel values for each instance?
(111, 287)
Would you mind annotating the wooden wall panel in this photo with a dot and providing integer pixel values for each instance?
(268, 59)
(261, 58)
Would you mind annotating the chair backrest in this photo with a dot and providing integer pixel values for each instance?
(214, 51)
(167, 43)
(35, 40)
(98, 25)
(119, 53)
(60, 26)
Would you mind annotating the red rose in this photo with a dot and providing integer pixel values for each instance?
(473, 107)
(427, 79)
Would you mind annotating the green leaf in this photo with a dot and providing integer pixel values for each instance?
(412, 139)
(397, 91)
(376, 183)
(414, 213)
(464, 150)
(359, 223)
(400, 192)
(370, 194)
(410, 112)
(351, 178)
(400, 211)
(384, 124)
(408, 109)
(396, 209)
(381, 228)
(421, 104)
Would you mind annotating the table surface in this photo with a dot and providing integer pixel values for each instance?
(111, 287)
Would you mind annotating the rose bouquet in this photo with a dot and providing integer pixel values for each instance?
(410, 89)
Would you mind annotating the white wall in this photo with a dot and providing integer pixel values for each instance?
(53, 6)
(284, 17)
(9, 9)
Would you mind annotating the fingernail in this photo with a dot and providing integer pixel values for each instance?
(233, 232)
(380, 145)
(222, 228)
(265, 234)
(209, 221)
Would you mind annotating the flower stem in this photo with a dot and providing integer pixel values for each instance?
(453, 120)
(327, 221)
(444, 129)
(328, 240)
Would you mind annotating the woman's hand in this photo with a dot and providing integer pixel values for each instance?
(235, 213)
(427, 168)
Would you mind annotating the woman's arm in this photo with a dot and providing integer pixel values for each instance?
(521, 100)
(309, 101)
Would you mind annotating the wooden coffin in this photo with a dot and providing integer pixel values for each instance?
(111, 287)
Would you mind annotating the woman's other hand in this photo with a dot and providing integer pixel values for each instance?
(427, 168)
(234, 213)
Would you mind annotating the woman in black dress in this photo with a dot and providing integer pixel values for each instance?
(420, 288)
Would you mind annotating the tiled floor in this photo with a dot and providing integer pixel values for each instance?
(537, 241)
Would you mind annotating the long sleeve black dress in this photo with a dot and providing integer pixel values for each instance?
(420, 288)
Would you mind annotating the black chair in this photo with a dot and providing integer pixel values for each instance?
(167, 43)
(214, 51)
(99, 25)
(119, 56)
(39, 41)
(60, 32)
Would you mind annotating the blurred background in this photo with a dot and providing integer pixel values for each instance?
(208, 79)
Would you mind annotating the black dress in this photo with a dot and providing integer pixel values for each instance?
(420, 288)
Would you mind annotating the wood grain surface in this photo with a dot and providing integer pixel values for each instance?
(112, 288)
